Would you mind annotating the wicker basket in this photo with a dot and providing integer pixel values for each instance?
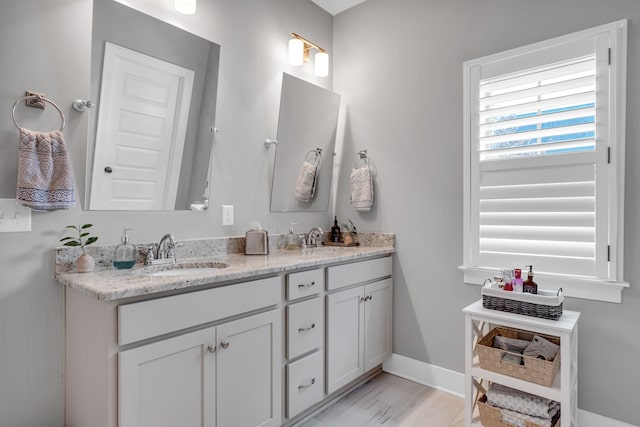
(534, 370)
(491, 416)
(544, 304)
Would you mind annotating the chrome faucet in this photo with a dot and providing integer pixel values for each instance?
(166, 248)
(312, 236)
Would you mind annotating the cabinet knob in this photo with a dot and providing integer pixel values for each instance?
(362, 299)
(224, 344)
(308, 328)
(304, 386)
(108, 169)
(369, 297)
(211, 349)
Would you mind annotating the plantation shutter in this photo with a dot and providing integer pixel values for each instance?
(537, 157)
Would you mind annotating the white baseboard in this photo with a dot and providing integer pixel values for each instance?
(453, 382)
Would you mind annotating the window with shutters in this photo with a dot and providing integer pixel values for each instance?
(544, 162)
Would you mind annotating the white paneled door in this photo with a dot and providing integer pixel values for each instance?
(142, 122)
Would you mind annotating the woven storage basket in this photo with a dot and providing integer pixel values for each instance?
(491, 416)
(534, 370)
(544, 304)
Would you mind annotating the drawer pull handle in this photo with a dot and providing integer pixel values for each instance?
(369, 298)
(224, 344)
(306, 285)
(362, 299)
(313, 325)
(305, 386)
(211, 348)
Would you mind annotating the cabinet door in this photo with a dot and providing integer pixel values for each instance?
(378, 321)
(249, 377)
(345, 337)
(168, 383)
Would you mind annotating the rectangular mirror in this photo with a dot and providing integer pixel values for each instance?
(306, 142)
(151, 133)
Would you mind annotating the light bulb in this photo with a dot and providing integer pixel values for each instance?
(296, 52)
(188, 7)
(321, 64)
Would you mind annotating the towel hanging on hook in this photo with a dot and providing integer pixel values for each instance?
(361, 181)
(307, 176)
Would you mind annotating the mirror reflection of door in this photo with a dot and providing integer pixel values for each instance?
(144, 105)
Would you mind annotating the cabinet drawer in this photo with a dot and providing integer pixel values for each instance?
(305, 327)
(304, 283)
(147, 319)
(358, 272)
(305, 383)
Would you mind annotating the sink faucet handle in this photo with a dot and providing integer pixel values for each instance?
(148, 256)
(171, 250)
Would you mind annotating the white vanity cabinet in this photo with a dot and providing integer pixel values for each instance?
(197, 380)
(359, 319)
(198, 359)
(261, 352)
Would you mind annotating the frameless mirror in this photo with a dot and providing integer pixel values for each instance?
(306, 142)
(151, 133)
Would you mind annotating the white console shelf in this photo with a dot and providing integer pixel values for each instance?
(479, 320)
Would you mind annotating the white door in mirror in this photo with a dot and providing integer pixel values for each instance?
(138, 157)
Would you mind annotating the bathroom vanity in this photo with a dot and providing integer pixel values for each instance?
(262, 341)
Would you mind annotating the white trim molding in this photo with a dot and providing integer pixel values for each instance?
(572, 286)
(452, 382)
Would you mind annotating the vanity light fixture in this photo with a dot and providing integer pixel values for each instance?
(299, 48)
(188, 7)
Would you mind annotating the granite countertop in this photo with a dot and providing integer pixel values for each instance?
(110, 284)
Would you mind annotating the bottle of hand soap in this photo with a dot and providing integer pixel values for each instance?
(335, 231)
(292, 238)
(529, 285)
(125, 253)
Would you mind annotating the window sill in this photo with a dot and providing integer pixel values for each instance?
(572, 286)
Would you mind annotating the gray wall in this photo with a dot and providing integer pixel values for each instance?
(45, 46)
(398, 67)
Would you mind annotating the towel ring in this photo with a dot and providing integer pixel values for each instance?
(314, 157)
(360, 156)
(13, 110)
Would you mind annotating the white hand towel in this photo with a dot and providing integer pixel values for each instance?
(362, 189)
(306, 182)
(45, 176)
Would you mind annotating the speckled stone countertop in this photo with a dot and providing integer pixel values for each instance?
(107, 283)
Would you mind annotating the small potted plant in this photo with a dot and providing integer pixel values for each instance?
(85, 262)
(351, 232)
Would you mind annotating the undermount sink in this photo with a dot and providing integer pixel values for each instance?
(182, 268)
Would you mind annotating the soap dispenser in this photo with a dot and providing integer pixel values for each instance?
(529, 285)
(335, 231)
(292, 239)
(125, 253)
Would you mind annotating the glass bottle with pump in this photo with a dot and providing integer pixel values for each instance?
(529, 285)
(125, 254)
(292, 240)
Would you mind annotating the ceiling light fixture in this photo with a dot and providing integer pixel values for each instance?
(188, 7)
(299, 48)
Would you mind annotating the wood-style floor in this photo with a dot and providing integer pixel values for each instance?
(391, 401)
